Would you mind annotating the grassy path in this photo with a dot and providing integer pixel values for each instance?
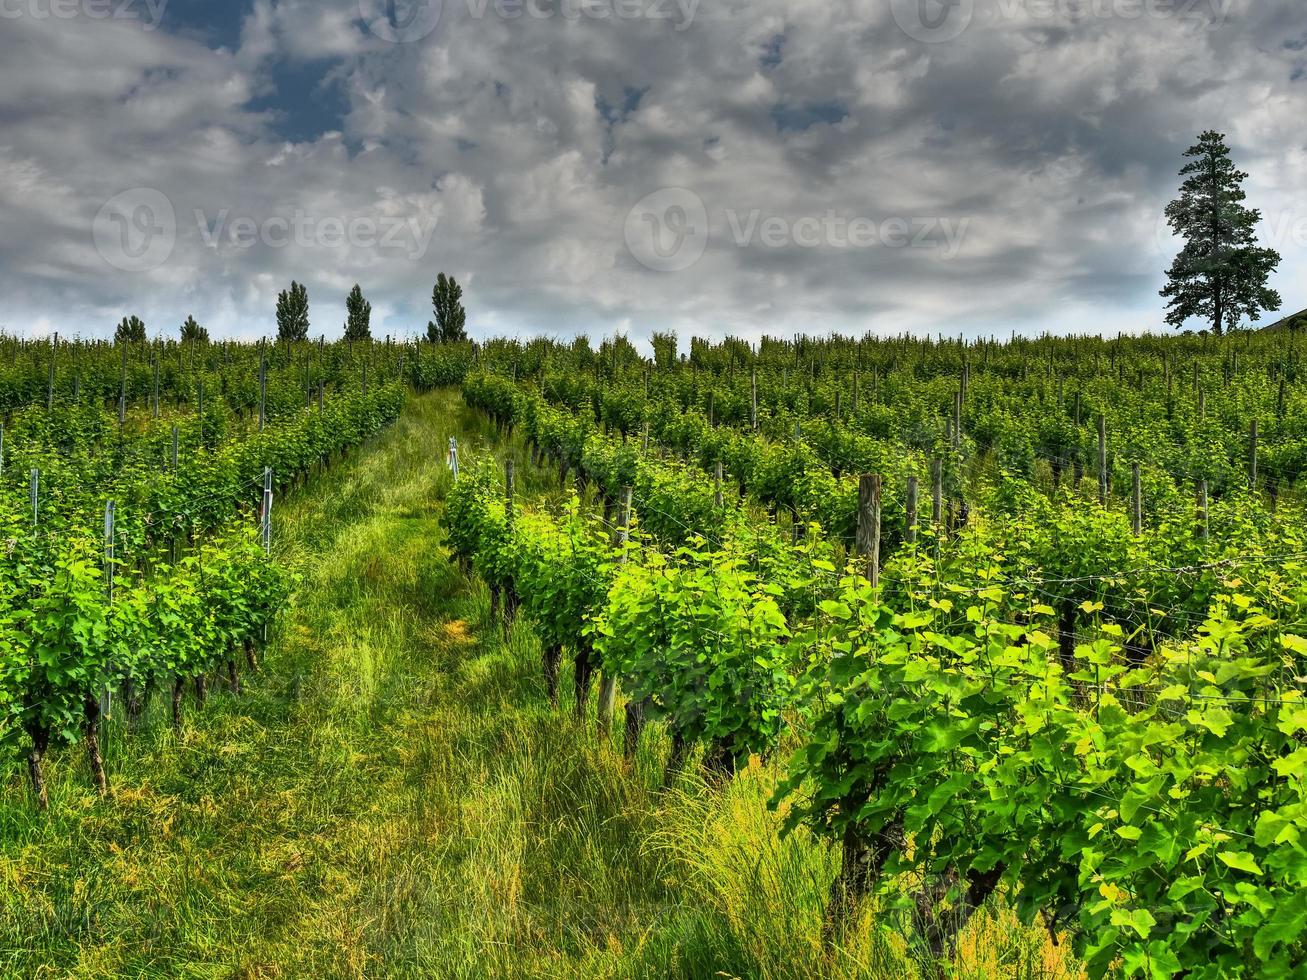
(393, 796)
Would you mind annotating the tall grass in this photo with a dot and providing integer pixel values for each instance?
(393, 796)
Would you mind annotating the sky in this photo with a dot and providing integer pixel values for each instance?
(713, 167)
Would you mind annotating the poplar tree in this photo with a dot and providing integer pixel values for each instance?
(293, 313)
(358, 316)
(446, 301)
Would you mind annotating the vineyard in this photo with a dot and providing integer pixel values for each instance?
(1030, 613)
(999, 646)
(177, 582)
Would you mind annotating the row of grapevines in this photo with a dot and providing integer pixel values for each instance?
(949, 742)
(172, 615)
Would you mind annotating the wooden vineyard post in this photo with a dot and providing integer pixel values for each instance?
(106, 698)
(1136, 502)
(868, 538)
(608, 683)
(1252, 456)
(452, 458)
(54, 350)
(263, 389)
(937, 494)
(910, 535)
(753, 399)
(508, 495)
(1202, 529)
(174, 447)
(109, 515)
(265, 516)
(122, 389)
(156, 385)
(719, 501)
(1102, 461)
(94, 706)
(957, 419)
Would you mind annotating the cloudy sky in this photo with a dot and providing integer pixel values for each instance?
(710, 166)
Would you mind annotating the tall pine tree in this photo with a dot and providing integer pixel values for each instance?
(446, 301)
(293, 313)
(1221, 273)
(358, 315)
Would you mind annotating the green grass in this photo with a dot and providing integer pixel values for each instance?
(392, 795)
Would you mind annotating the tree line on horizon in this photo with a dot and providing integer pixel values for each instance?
(449, 325)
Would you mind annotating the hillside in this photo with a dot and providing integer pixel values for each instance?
(1281, 324)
